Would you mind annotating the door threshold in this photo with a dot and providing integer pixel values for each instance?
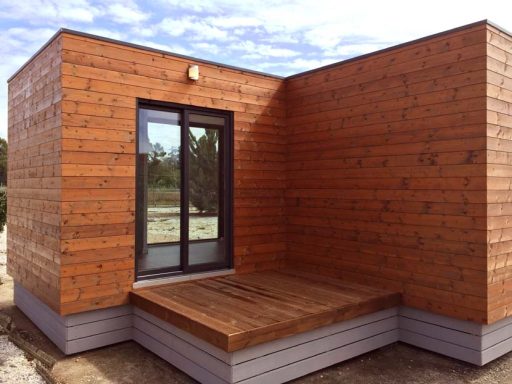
(181, 278)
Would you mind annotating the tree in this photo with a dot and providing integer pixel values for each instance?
(163, 167)
(204, 171)
(155, 158)
(3, 162)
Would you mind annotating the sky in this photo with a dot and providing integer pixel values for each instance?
(282, 37)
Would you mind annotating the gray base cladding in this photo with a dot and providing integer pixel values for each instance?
(275, 361)
(464, 340)
(79, 332)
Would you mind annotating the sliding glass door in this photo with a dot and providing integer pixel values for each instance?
(183, 190)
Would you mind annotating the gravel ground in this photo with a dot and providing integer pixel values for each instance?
(14, 365)
(164, 225)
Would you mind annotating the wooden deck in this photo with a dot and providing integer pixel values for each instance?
(237, 311)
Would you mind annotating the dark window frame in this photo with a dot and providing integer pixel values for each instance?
(225, 231)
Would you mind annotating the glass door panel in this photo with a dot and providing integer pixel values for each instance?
(205, 206)
(159, 158)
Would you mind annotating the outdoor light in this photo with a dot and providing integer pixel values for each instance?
(193, 72)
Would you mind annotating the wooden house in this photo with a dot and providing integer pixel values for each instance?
(252, 228)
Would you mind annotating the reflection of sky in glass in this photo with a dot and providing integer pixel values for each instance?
(169, 135)
(197, 132)
(165, 134)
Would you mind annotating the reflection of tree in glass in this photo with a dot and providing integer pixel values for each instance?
(164, 167)
(204, 171)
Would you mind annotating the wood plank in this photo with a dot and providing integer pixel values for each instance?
(34, 177)
(499, 114)
(239, 311)
(159, 60)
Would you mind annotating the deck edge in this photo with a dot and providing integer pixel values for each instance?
(278, 360)
(189, 325)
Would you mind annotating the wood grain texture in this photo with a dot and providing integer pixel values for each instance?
(33, 217)
(101, 83)
(386, 173)
(239, 311)
(499, 173)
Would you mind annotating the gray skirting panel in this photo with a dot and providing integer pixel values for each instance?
(464, 340)
(275, 361)
(79, 332)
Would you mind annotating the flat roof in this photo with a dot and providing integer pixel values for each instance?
(149, 49)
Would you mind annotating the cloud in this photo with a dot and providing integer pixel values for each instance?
(216, 7)
(40, 12)
(355, 49)
(262, 50)
(281, 38)
(81, 14)
(195, 28)
(234, 21)
(163, 47)
(18, 45)
(105, 32)
(143, 30)
(208, 47)
(27, 35)
(126, 14)
(298, 65)
(191, 6)
(324, 36)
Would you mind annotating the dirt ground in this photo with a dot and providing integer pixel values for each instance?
(130, 363)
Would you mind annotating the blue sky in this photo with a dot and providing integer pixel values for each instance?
(276, 36)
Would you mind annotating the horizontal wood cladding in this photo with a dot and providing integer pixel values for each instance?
(101, 82)
(499, 173)
(387, 173)
(33, 217)
(390, 170)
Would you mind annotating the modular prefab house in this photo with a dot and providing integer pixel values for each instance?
(251, 228)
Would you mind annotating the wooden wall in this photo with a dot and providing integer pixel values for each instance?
(380, 170)
(386, 172)
(499, 172)
(101, 81)
(34, 136)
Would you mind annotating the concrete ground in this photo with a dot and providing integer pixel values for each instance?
(130, 363)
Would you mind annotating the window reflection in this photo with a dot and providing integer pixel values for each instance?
(160, 142)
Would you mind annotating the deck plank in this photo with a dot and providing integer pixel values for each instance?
(237, 311)
(218, 304)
